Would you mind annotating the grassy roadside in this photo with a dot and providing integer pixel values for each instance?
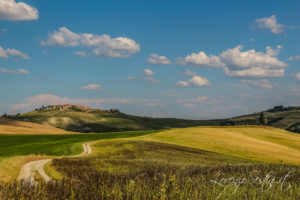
(52, 172)
(10, 167)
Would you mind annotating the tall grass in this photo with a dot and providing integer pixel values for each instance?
(156, 182)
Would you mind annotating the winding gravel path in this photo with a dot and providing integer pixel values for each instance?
(29, 170)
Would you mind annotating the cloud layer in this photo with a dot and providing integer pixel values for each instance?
(17, 11)
(104, 45)
(263, 83)
(19, 71)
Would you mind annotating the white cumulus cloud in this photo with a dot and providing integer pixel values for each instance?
(156, 59)
(270, 23)
(201, 59)
(196, 80)
(199, 81)
(12, 52)
(103, 45)
(253, 64)
(148, 72)
(238, 63)
(235, 58)
(17, 11)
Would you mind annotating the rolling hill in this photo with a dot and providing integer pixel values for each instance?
(10, 126)
(88, 120)
(287, 118)
(257, 143)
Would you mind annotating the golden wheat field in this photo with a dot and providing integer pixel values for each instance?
(251, 142)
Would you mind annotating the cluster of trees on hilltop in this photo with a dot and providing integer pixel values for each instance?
(283, 108)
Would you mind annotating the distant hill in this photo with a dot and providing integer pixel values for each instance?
(83, 119)
(10, 126)
(287, 118)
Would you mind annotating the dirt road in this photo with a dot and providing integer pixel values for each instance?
(29, 170)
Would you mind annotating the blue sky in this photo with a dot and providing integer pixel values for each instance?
(185, 59)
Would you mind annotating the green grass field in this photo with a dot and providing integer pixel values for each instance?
(55, 145)
(16, 150)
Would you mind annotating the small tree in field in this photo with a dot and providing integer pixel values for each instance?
(262, 119)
